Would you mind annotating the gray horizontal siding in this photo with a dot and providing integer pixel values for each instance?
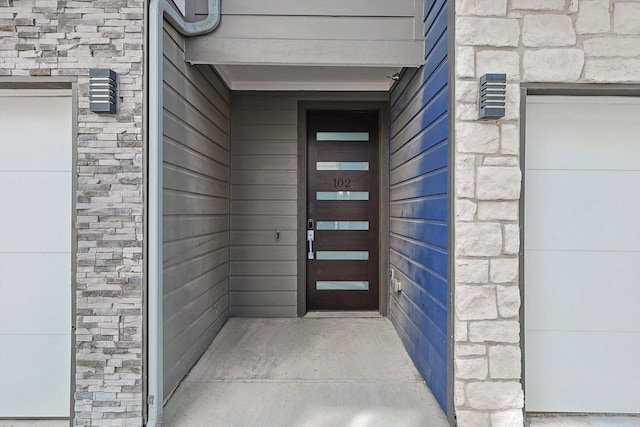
(196, 210)
(391, 31)
(264, 194)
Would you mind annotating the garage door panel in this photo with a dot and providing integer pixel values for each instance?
(39, 147)
(581, 372)
(582, 210)
(35, 252)
(42, 387)
(588, 291)
(598, 128)
(35, 289)
(582, 254)
(32, 217)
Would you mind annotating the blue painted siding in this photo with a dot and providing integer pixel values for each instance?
(419, 204)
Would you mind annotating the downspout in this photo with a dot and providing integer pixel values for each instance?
(158, 10)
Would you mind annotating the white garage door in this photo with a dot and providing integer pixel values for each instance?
(582, 254)
(35, 252)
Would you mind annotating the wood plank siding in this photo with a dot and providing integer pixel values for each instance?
(264, 192)
(196, 209)
(306, 32)
(419, 204)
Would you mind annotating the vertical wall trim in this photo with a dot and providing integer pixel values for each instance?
(74, 242)
(521, 221)
(302, 210)
(451, 411)
(384, 159)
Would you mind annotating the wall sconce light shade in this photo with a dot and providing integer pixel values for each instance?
(103, 91)
(493, 96)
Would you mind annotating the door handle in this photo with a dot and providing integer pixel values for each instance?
(310, 238)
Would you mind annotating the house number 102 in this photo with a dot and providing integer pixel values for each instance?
(342, 182)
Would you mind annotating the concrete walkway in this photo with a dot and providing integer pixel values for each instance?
(331, 372)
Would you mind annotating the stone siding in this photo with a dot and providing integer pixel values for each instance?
(569, 41)
(42, 38)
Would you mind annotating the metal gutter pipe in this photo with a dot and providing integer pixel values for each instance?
(158, 11)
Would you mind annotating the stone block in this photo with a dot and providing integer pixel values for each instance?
(478, 239)
(513, 418)
(489, 395)
(467, 91)
(472, 137)
(465, 210)
(458, 395)
(498, 61)
(472, 271)
(505, 362)
(511, 239)
(465, 176)
(553, 65)
(475, 368)
(538, 4)
(497, 331)
(467, 112)
(465, 61)
(498, 183)
(476, 302)
(593, 17)
(613, 70)
(500, 161)
(548, 31)
(509, 139)
(626, 18)
(612, 46)
(508, 301)
(481, 7)
(472, 419)
(463, 350)
(461, 332)
(496, 211)
(503, 270)
(497, 32)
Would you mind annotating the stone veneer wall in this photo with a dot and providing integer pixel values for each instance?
(569, 41)
(42, 38)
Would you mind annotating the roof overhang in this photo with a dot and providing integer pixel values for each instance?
(318, 65)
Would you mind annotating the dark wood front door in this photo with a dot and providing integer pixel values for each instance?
(342, 210)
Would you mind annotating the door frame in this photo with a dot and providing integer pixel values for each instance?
(382, 107)
(549, 89)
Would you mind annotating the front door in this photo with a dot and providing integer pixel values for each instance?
(342, 210)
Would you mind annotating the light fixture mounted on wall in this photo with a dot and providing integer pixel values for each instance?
(103, 91)
(493, 96)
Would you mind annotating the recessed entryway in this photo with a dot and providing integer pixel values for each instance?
(582, 254)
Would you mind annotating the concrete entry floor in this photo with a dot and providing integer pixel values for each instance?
(348, 372)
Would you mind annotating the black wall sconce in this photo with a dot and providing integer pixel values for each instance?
(103, 91)
(493, 96)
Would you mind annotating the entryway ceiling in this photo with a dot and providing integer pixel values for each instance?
(312, 78)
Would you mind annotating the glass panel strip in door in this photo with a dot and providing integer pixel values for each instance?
(342, 136)
(342, 195)
(342, 286)
(342, 225)
(342, 166)
(343, 255)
